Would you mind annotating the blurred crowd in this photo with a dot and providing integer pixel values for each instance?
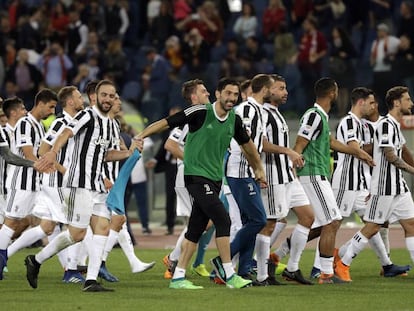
(149, 48)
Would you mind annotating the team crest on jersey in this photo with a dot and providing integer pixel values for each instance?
(306, 130)
(384, 138)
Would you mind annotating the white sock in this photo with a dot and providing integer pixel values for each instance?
(228, 269)
(6, 234)
(326, 265)
(358, 243)
(343, 248)
(283, 250)
(297, 245)
(277, 231)
(62, 241)
(317, 261)
(84, 248)
(179, 273)
(125, 241)
(175, 254)
(110, 243)
(384, 236)
(235, 260)
(262, 252)
(95, 255)
(72, 253)
(409, 243)
(62, 255)
(378, 246)
(27, 238)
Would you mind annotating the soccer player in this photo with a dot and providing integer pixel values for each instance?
(50, 206)
(118, 231)
(90, 138)
(194, 92)
(314, 143)
(241, 180)
(284, 191)
(211, 128)
(24, 182)
(390, 198)
(349, 179)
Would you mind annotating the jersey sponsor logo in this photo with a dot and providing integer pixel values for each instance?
(102, 141)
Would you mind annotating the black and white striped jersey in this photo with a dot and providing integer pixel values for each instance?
(368, 131)
(278, 166)
(87, 149)
(387, 179)
(55, 179)
(251, 113)
(3, 165)
(348, 172)
(111, 169)
(179, 135)
(28, 132)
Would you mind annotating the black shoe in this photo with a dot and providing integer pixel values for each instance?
(32, 270)
(260, 283)
(271, 280)
(146, 231)
(170, 231)
(295, 276)
(271, 268)
(93, 286)
(249, 276)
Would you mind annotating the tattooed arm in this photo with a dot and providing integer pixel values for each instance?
(392, 157)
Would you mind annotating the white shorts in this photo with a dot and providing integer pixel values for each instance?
(351, 201)
(20, 203)
(82, 203)
(3, 200)
(279, 199)
(184, 206)
(50, 204)
(383, 208)
(319, 191)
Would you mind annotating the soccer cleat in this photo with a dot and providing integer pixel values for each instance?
(106, 275)
(280, 268)
(168, 275)
(91, 286)
(183, 284)
(218, 268)
(295, 276)
(274, 258)
(236, 281)
(315, 273)
(3, 262)
(216, 279)
(330, 279)
(336, 256)
(73, 276)
(82, 268)
(395, 270)
(169, 264)
(32, 270)
(200, 270)
(342, 271)
(143, 267)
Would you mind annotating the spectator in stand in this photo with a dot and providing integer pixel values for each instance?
(338, 9)
(77, 39)
(313, 47)
(59, 22)
(285, 48)
(162, 25)
(182, 9)
(406, 20)
(174, 55)
(30, 33)
(82, 77)
(300, 10)
(92, 15)
(16, 9)
(230, 65)
(274, 15)
(341, 67)
(207, 21)
(153, 10)
(246, 24)
(254, 50)
(26, 77)
(115, 61)
(382, 50)
(196, 52)
(158, 71)
(55, 65)
(91, 49)
(380, 12)
(403, 63)
(323, 14)
(116, 20)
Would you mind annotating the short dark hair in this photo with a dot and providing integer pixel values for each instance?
(65, 93)
(223, 82)
(245, 85)
(10, 104)
(259, 81)
(102, 83)
(189, 88)
(394, 93)
(360, 93)
(45, 95)
(277, 77)
(91, 86)
(323, 86)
